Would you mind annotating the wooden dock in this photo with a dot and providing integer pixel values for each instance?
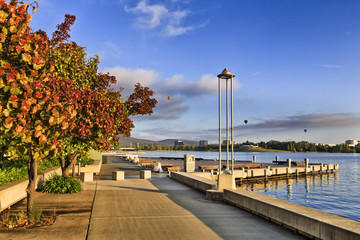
(245, 170)
(283, 171)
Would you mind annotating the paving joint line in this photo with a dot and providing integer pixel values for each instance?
(92, 209)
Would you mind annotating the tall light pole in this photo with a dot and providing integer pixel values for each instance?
(227, 75)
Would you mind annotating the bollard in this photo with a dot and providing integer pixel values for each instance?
(145, 174)
(87, 176)
(254, 158)
(289, 162)
(277, 159)
(306, 165)
(118, 175)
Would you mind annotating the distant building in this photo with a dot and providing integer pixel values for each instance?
(179, 143)
(204, 143)
(352, 143)
(248, 146)
(224, 142)
(330, 145)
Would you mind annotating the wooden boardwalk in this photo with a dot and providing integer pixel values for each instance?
(246, 170)
(283, 171)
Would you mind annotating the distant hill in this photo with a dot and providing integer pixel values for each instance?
(124, 141)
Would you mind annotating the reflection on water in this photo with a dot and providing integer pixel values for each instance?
(322, 192)
(308, 183)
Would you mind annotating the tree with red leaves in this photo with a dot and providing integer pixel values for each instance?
(33, 119)
(52, 99)
(102, 113)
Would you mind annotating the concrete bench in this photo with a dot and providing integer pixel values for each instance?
(172, 169)
(146, 162)
(211, 167)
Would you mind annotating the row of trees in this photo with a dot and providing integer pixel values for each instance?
(292, 146)
(53, 100)
(158, 147)
(304, 146)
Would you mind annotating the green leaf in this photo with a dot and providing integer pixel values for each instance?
(7, 88)
(15, 91)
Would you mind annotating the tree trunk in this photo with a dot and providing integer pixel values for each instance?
(73, 171)
(2, 159)
(30, 190)
(63, 165)
(68, 162)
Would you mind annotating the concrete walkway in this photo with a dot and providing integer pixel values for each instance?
(158, 208)
(161, 208)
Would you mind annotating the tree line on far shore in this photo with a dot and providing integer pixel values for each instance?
(290, 146)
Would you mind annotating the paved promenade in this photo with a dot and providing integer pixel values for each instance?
(158, 208)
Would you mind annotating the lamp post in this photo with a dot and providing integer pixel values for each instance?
(227, 75)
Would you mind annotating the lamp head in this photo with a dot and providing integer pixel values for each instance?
(225, 74)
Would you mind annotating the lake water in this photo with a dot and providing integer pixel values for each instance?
(337, 193)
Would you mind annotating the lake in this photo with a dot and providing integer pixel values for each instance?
(337, 193)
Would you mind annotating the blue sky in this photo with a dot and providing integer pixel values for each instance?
(296, 62)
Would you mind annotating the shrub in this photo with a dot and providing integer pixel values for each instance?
(62, 184)
(85, 160)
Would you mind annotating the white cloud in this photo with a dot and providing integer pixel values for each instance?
(166, 132)
(257, 73)
(167, 109)
(331, 66)
(176, 86)
(168, 21)
(302, 121)
(173, 31)
(206, 85)
(128, 77)
(154, 14)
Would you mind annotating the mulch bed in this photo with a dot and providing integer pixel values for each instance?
(15, 220)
